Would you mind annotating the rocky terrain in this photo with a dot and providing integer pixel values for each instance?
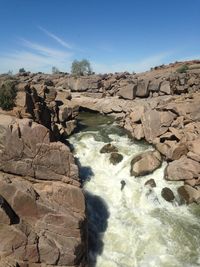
(43, 221)
(42, 207)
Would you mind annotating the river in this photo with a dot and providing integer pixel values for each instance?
(134, 227)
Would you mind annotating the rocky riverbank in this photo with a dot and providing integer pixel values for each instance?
(42, 205)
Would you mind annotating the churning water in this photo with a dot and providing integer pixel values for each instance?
(135, 227)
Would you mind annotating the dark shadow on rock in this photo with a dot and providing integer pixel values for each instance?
(14, 218)
(97, 214)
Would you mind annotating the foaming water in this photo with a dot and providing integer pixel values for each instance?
(135, 227)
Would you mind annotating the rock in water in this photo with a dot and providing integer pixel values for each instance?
(167, 194)
(145, 163)
(109, 148)
(115, 158)
(189, 194)
(151, 183)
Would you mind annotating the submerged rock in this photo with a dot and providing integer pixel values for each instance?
(115, 158)
(151, 183)
(145, 163)
(109, 148)
(167, 194)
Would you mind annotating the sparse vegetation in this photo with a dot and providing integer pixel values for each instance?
(7, 95)
(80, 68)
(55, 70)
(182, 69)
(22, 70)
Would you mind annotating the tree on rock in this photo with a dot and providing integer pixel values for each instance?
(80, 68)
(7, 95)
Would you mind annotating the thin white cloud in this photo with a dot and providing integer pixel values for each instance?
(56, 38)
(33, 62)
(44, 50)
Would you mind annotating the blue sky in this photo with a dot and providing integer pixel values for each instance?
(115, 35)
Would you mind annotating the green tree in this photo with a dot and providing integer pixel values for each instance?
(80, 68)
(7, 95)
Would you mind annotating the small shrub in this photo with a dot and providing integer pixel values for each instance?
(182, 69)
(55, 70)
(7, 95)
(22, 70)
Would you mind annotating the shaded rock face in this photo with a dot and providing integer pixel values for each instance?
(145, 163)
(42, 207)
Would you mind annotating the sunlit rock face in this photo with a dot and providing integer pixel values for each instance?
(42, 208)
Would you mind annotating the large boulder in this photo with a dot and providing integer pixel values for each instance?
(182, 169)
(167, 194)
(189, 194)
(26, 150)
(128, 91)
(156, 123)
(84, 83)
(142, 88)
(165, 87)
(145, 163)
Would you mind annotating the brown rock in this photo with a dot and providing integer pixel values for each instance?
(182, 169)
(142, 88)
(128, 91)
(136, 114)
(151, 183)
(139, 132)
(165, 87)
(189, 194)
(108, 148)
(145, 163)
(156, 123)
(167, 194)
(115, 158)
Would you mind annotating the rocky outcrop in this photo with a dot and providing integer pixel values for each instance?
(145, 163)
(42, 207)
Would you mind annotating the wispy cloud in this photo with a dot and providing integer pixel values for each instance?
(55, 37)
(44, 50)
(35, 57)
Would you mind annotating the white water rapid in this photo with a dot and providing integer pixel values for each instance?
(135, 227)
